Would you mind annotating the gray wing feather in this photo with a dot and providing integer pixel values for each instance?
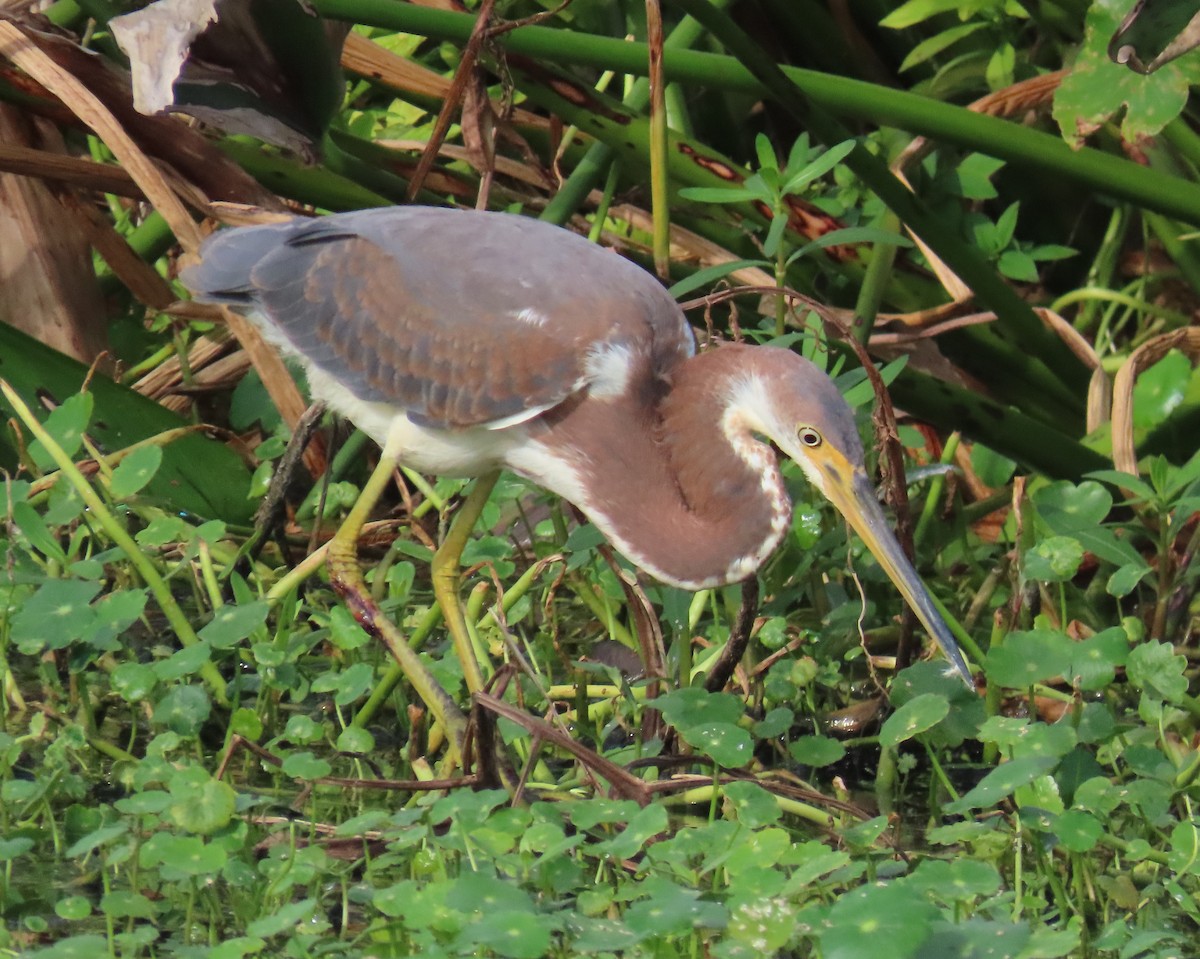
(461, 318)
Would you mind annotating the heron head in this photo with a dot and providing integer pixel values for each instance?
(799, 408)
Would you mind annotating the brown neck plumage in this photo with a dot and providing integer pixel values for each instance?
(676, 481)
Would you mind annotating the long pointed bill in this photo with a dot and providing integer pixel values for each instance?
(855, 499)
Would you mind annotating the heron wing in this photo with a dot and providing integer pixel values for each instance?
(459, 318)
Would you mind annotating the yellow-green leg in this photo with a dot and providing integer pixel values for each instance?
(347, 579)
(444, 572)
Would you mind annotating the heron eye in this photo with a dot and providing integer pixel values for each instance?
(809, 437)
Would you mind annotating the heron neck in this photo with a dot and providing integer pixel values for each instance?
(672, 481)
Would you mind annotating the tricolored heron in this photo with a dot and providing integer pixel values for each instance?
(467, 342)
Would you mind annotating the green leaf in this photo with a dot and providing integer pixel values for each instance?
(237, 947)
(1053, 560)
(135, 471)
(1018, 265)
(777, 722)
(303, 729)
(231, 624)
(115, 613)
(991, 468)
(1002, 782)
(668, 909)
(516, 935)
(932, 46)
(765, 153)
(1021, 737)
(32, 525)
(753, 806)
(183, 710)
(912, 12)
(882, 918)
(719, 194)
(66, 425)
(1028, 658)
(692, 706)
(55, 616)
(1040, 801)
(1096, 89)
(1052, 251)
(1094, 661)
(133, 682)
(184, 662)
(999, 71)
(478, 892)
(97, 839)
(709, 275)
(818, 167)
(345, 631)
(775, 234)
(184, 855)
(348, 685)
(816, 750)
(919, 714)
(73, 908)
(284, 920)
(1155, 669)
(247, 723)
(124, 904)
(1160, 390)
(726, 744)
(984, 939)
(956, 880)
(1183, 855)
(643, 826)
(850, 235)
(304, 765)
(1125, 580)
(860, 391)
(202, 805)
(763, 927)
(10, 849)
(1077, 830)
(1135, 485)
(354, 739)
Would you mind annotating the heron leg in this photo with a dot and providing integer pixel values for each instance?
(444, 571)
(347, 579)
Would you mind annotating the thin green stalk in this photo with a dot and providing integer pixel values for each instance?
(1104, 264)
(1183, 138)
(103, 516)
(886, 775)
(606, 198)
(393, 676)
(660, 188)
(600, 609)
(1180, 251)
(704, 794)
(936, 485)
(939, 772)
(875, 280)
(1093, 294)
(965, 640)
